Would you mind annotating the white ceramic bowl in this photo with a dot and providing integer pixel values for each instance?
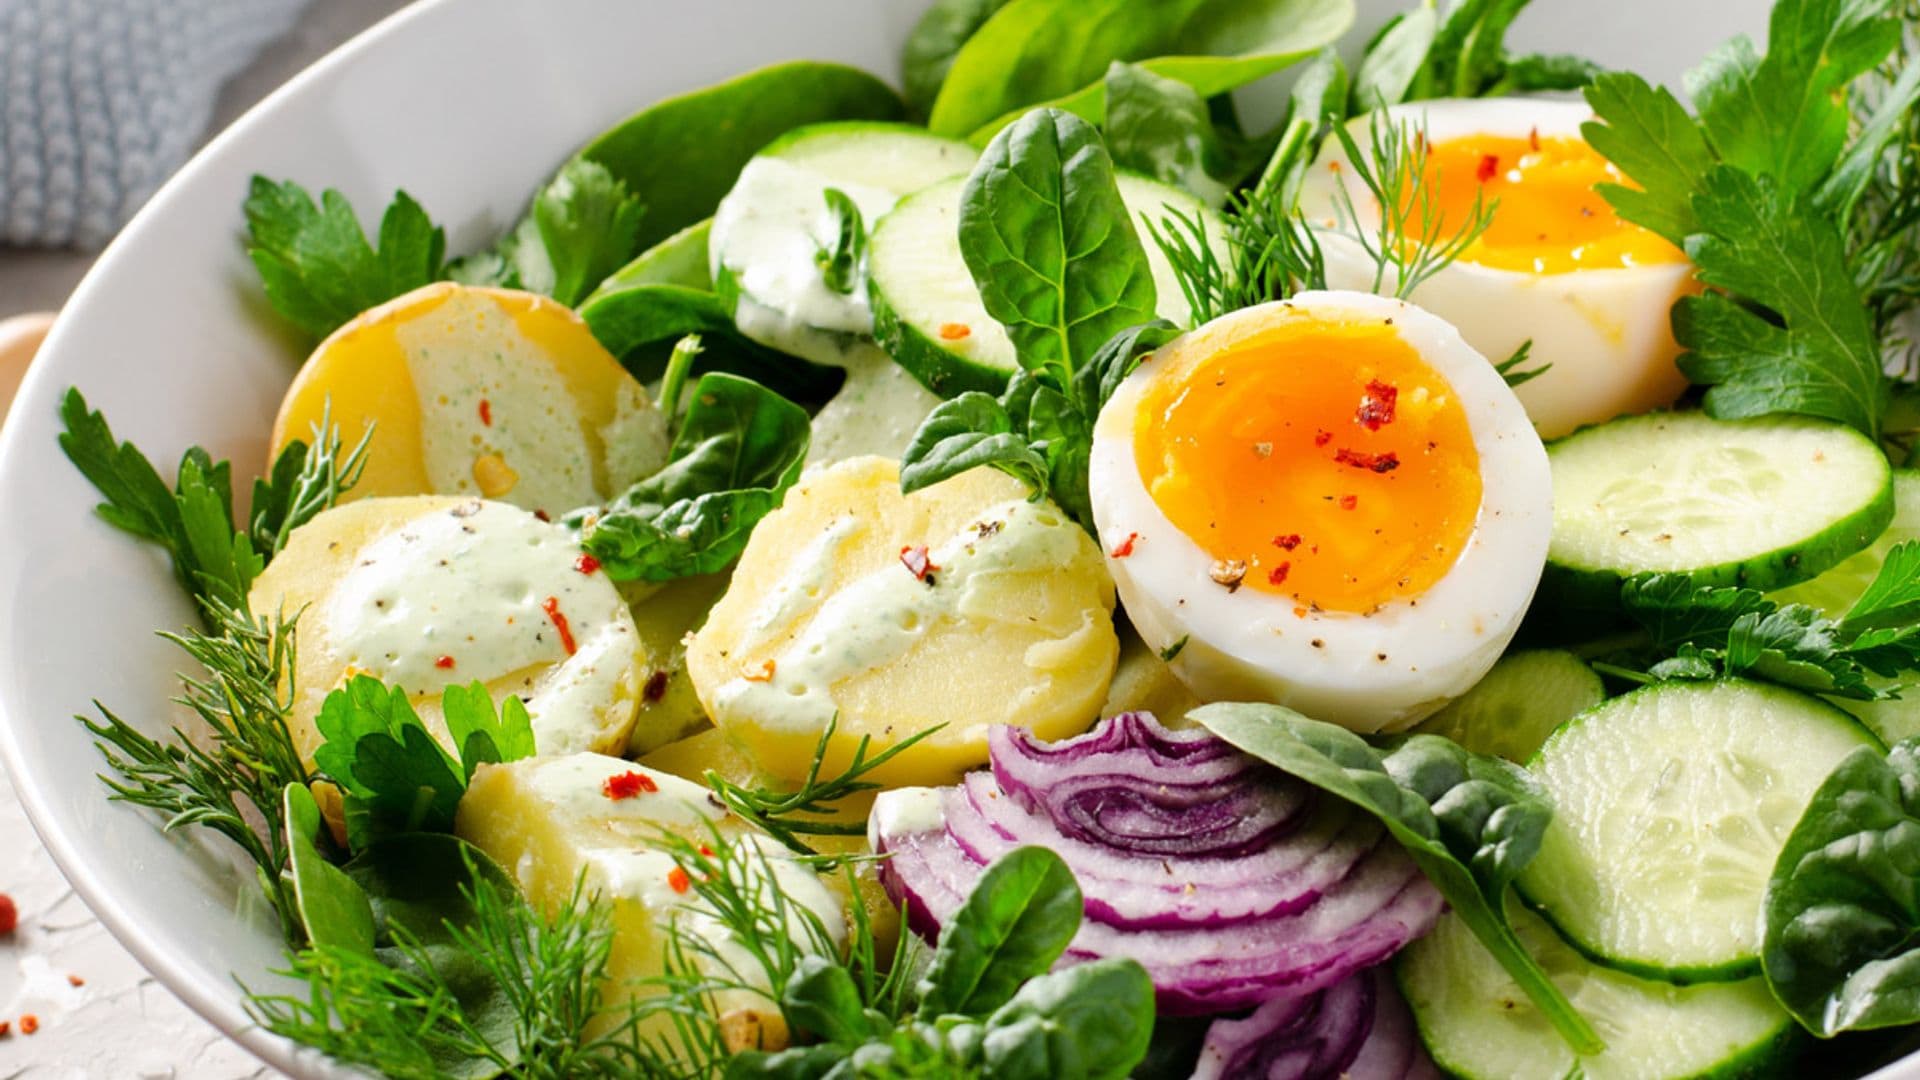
(467, 104)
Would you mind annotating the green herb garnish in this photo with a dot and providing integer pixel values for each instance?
(319, 269)
(840, 263)
(788, 815)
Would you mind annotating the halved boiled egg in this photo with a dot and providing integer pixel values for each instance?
(1331, 502)
(1556, 266)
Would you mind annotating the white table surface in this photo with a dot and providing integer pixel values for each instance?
(120, 1023)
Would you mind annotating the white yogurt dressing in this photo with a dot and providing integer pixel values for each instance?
(472, 584)
(876, 619)
(876, 411)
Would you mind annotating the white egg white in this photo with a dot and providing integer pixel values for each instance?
(1605, 330)
(1382, 671)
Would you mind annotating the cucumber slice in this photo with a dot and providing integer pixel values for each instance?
(1477, 1023)
(1835, 591)
(927, 312)
(1520, 702)
(769, 230)
(1670, 807)
(1763, 503)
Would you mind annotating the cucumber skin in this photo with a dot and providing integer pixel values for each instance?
(1575, 603)
(945, 373)
(1732, 971)
(1762, 1061)
(850, 127)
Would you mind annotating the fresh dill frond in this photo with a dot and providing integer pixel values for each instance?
(788, 815)
(305, 479)
(1513, 368)
(1884, 228)
(231, 778)
(1411, 241)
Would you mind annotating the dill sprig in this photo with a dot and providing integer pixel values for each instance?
(1884, 228)
(1411, 242)
(1513, 368)
(304, 481)
(788, 815)
(231, 778)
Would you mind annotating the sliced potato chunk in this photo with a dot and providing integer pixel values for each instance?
(964, 605)
(666, 615)
(598, 820)
(1142, 682)
(475, 391)
(427, 591)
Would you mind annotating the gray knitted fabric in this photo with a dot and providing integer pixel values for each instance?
(101, 100)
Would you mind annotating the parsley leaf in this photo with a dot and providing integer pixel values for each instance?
(583, 226)
(318, 269)
(394, 776)
(1893, 598)
(1648, 134)
(1770, 248)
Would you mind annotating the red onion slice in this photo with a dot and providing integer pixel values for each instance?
(1358, 1029)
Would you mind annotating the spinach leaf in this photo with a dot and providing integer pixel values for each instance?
(1164, 129)
(1470, 822)
(1055, 52)
(639, 322)
(1050, 244)
(936, 39)
(822, 997)
(393, 776)
(679, 156)
(1395, 59)
(1015, 923)
(316, 265)
(965, 433)
(1091, 1020)
(333, 907)
(1817, 355)
(840, 264)
(680, 259)
(1842, 909)
(738, 449)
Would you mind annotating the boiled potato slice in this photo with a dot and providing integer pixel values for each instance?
(426, 591)
(964, 605)
(1142, 682)
(475, 391)
(691, 757)
(557, 821)
(666, 614)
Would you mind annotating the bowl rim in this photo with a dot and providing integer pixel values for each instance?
(223, 1010)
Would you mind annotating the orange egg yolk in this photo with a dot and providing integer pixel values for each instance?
(1549, 219)
(1323, 461)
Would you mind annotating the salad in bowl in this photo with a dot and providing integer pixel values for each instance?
(1041, 575)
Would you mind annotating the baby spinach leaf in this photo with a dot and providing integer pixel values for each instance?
(1015, 923)
(1050, 244)
(1818, 356)
(1843, 904)
(640, 322)
(1163, 128)
(964, 433)
(840, 264)
(333, 907)
(680, 259)
(1214, 46)
(738, 449)
(1090, 1020)
(1470, 822)
(679, 156)
(936, 39)
(316, 265)
(821, 997)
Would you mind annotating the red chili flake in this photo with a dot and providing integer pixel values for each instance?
(1299, 613)
(1348, 502)
(764, 673)
(552, 608)
(627, 784)
(1322, 438)
(486, 412)
(542, 515)
(1360, 459)
(954, 331)
(75, 980)
(1533, 138)
(586, 563)
(444, 663)
(656, 687)
(1376, 405)
(914, 558)
(6, 1028)
(29, 1023)
(9, 915)
(1278, 574)
(1125, 547)
(707, 851)
(1287, 542)
(1489, 166)
(678, 881)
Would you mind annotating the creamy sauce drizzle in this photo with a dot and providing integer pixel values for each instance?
(471, 584)
(876, 619)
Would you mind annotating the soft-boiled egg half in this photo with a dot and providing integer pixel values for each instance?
(1556, 266)
(1331, 502)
